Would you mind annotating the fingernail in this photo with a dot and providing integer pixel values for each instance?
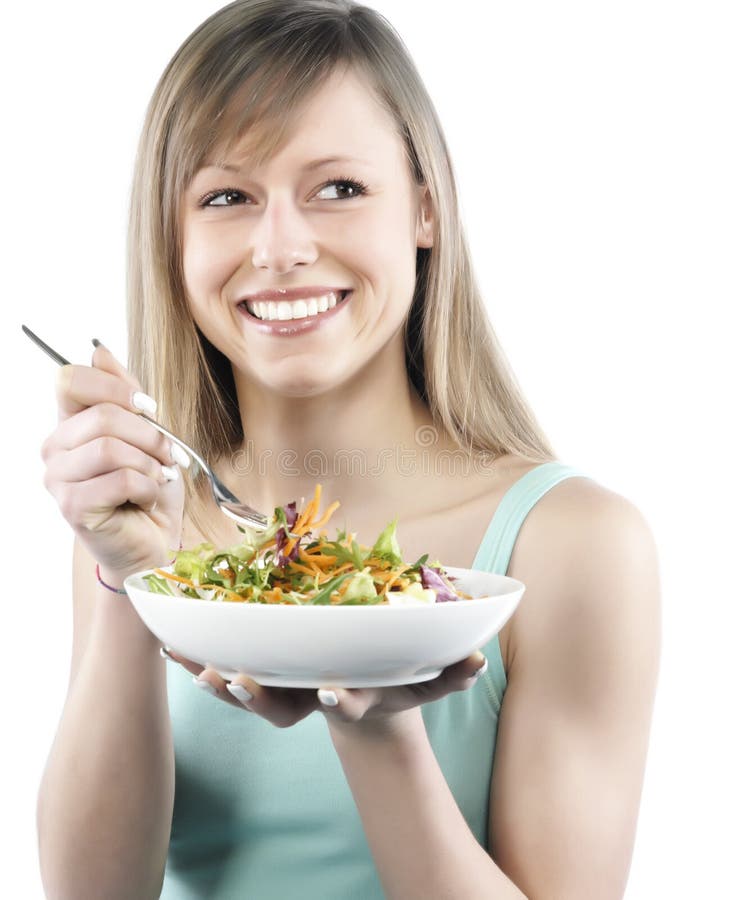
(180, 456)
(239, 692)
(205, 685)
(170, 473)
(144, 402)
(327, 698)
(481, 669)
(167, 656)
(96, 343)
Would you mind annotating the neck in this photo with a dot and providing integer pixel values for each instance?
(359, 440)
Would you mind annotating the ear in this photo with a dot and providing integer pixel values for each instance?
(425, 220)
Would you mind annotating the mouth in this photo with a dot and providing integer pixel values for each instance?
(286, 310)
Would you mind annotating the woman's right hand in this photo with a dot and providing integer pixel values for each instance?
(104, 468)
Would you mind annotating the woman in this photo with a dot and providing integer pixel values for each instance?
(290, 148)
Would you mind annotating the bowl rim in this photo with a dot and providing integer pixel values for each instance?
(512, 585)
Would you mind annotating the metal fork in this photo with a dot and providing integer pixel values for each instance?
(225, 499)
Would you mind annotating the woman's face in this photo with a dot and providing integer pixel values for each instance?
(303, 221)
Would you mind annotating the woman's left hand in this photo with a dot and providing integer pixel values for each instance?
(366, 708)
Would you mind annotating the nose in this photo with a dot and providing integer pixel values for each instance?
(282, 239)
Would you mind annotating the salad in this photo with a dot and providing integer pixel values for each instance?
(293, 562)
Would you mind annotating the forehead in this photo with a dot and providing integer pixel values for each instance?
(342, 116)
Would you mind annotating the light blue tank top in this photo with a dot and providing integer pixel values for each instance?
(265, 813)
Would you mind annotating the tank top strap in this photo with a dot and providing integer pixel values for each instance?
(496, 547)
(498, 543)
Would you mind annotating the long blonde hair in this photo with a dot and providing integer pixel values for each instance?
(256, 61)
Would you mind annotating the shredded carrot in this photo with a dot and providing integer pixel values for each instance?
(316, 562)
(377, 563)
(326, 515)
(307, 520)
(307, 556)
(308, 561)
(232, 595)
(317, 553)
(274, 596)
(394, 578)
(322, 561)
(301, 568)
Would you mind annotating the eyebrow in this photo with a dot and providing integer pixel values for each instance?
(308, 167)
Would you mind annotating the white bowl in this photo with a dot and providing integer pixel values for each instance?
(281, 645)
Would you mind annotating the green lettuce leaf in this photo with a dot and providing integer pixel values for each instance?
(360, 587)
(387, 546)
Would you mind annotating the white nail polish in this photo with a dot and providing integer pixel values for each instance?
(180, 456)
(480, 671)
(144, 402)
(327, 698)
(166, 655)
(170, 473)
(239, 692)
(204, 685)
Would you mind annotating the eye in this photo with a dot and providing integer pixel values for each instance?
(342, 188)
(346, 188)
(223, 197)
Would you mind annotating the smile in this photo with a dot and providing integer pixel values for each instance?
(285, 310)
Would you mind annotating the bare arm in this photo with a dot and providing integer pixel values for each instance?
(575, 722)
(420, 842)
(105, 801)
(106, 797)
(573, 733)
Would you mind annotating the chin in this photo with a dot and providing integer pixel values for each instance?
(299, 387)
(302, 391)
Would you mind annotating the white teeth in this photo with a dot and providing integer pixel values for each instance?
(284, 310)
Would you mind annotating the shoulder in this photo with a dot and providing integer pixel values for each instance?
(579, 500)
(589, 561)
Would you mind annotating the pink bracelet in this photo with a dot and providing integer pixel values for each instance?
(122, 590)
(108, 586)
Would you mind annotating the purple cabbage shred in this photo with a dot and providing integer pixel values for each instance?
(431, 578)
(290, 512)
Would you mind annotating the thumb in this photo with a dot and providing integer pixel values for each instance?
(102, 358)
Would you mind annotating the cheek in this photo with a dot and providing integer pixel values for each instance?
(381, 245)
(206, 264)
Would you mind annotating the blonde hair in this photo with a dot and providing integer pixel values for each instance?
(256, 61)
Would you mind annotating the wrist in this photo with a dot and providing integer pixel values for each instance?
(403, 728)
(114, 576)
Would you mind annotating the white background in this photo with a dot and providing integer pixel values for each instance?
(595, 147)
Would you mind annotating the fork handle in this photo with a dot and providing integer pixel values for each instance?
(180, 443)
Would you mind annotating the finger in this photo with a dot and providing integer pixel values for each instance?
(110, 419)
(210, 681)
(349, 705)
(188, 664)
(467, 670)
(78, 387)
(89, 504)
(103, 455)
(282, 707)
(103, 358)
(459, 677)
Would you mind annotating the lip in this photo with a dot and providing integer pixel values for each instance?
(289, 327)
(302, 293)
